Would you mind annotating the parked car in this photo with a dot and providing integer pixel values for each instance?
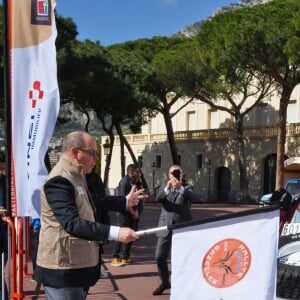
(292, 186)
(288, 261)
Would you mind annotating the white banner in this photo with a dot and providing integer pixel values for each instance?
(230, 259)
(34, 98)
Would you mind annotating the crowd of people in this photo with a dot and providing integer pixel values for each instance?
(75, 224)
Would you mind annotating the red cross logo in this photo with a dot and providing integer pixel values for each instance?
(36, 93)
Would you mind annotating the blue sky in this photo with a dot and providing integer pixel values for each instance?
(117, 21)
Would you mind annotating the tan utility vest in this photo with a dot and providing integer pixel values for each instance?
(58, 249)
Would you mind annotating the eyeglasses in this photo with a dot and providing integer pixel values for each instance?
(93, 153)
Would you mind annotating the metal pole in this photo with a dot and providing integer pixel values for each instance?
(270, 180)
(270, 165)
(151, 230)
(209, 184)
(153, 179)
(208, 188)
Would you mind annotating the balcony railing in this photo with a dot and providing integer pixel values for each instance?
(222, 133)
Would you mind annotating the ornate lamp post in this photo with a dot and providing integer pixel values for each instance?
(106, 152)
(271, 166)
(106, 148)
(209, 171)
(153, 178)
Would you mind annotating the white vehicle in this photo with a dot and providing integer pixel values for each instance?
(288, 262)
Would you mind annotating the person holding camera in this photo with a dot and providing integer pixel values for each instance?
(176, 208)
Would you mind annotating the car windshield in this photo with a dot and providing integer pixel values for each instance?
(293, 187)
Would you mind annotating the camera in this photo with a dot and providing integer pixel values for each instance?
(176, 173)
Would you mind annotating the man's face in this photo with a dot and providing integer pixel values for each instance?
(88, 155)
(135, 174)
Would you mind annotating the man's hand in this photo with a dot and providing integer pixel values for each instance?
(173, 182)
(143, 197)
(127, 235)
(133, 213)
(133, 196)
(3, 211)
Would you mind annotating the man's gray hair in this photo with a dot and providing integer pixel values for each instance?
(73, 139)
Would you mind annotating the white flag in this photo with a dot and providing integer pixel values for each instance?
(230, 259)
(34, 98)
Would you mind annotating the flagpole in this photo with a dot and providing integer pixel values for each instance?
(239, 214)
(7, 128)
(208, 220)
(7, 97)
(151, 230)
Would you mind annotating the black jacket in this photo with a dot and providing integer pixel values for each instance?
(60, 197)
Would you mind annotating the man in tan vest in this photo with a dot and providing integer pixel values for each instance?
(68, 253)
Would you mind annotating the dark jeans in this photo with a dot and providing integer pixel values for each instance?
(124, 221)
(67, 293)
(36, 234)
(140, 208)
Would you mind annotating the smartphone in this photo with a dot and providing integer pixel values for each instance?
(176, 174)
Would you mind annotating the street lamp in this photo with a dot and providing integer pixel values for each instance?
(271, 166)
(209, 170)
(153, 178)
(106, 152)
(106, 148)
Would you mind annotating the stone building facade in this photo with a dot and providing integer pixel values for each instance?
(208, 151)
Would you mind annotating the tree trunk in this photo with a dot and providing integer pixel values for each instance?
(239, 127)
(132, 155)
(122, 157)
(284, 101)
(85, 112)
(170, 135)
(87, 121)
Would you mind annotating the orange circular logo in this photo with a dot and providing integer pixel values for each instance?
(226, 263)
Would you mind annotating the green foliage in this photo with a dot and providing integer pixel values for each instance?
(66, 31)
(177, 68)
(262, 38)
(126, 98)
(81, 67)
(147, 48)
(292, 50)
(140, 73)
(262, 41)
